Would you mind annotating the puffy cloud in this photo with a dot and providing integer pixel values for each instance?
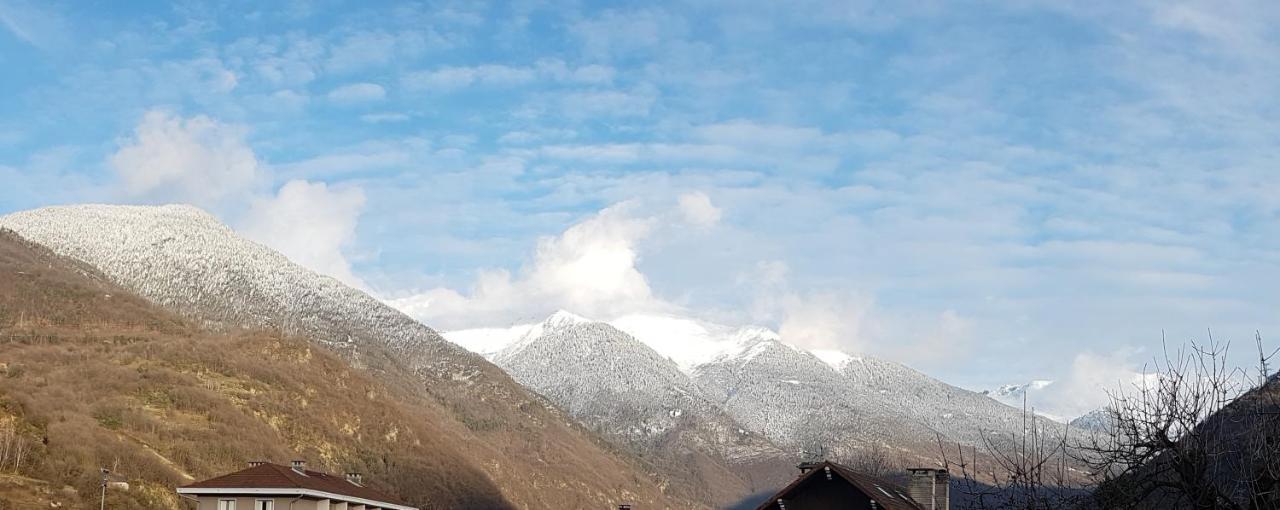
(849, 320)
(202, 161)
(311, 223)
(196, 160)
(590, 268)
(1086, 385)
(698, 209)
(357, 93)
(827, 321)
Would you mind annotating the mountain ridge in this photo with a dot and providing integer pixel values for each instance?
(184, 260)
(802, 400)
(625, 390)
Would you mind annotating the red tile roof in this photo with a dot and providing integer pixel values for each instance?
(888, 495)
(275, 476)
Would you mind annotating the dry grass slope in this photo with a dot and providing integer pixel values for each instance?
(92, 375)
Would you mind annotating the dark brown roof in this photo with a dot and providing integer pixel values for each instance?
(275, 476)
(888, 495)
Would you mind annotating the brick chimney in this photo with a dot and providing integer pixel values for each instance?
(354, 478)
(930, 487)
(300, 466)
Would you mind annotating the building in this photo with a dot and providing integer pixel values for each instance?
(827, 485)
(266, 486)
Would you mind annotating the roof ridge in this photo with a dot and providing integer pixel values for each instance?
(856, 479)
(277, 476)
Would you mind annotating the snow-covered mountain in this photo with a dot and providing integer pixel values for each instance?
(187, 261)
(184, 259)
(620, 385)
(796, 398)
(1098, 420)
(844, 403)
(1013, 394)
(629, 393)
(1044, 397)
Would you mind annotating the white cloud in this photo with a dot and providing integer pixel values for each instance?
(357, 93)
(828, 321)
(311, 223)
(201, 161)
(196, 160)
(698, 209)
(590, 268)
(1086, 384)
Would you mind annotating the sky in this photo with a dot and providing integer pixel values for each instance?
(991, 192)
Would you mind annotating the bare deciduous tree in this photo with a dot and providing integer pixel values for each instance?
(1195, 434)
(1027, 471)
(15, 449)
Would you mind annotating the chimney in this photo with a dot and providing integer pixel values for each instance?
(300, 466)
(354, 478)
(930, 487)
(256, 463)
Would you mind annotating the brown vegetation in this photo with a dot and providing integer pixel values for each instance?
(92, 376)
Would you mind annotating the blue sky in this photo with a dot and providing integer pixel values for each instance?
(991, 192)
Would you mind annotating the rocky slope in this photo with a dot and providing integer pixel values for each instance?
(184, 260)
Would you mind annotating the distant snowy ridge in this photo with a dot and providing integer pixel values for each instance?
(1034, 395)
(797, 398)
(686, 342)
(623, 389)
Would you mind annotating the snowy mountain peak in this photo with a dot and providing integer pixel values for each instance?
(752, 334)
(1012, 393)
(563, 318)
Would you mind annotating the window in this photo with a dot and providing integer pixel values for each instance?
(226, 504)
(264, 504)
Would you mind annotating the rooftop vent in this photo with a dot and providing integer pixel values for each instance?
(300, 466)
(256, 463)
(354, 478)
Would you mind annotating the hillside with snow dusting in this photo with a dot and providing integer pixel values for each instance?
(186, 261)
(799, 400)
(627, 392)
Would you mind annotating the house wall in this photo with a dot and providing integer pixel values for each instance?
(247, 502)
